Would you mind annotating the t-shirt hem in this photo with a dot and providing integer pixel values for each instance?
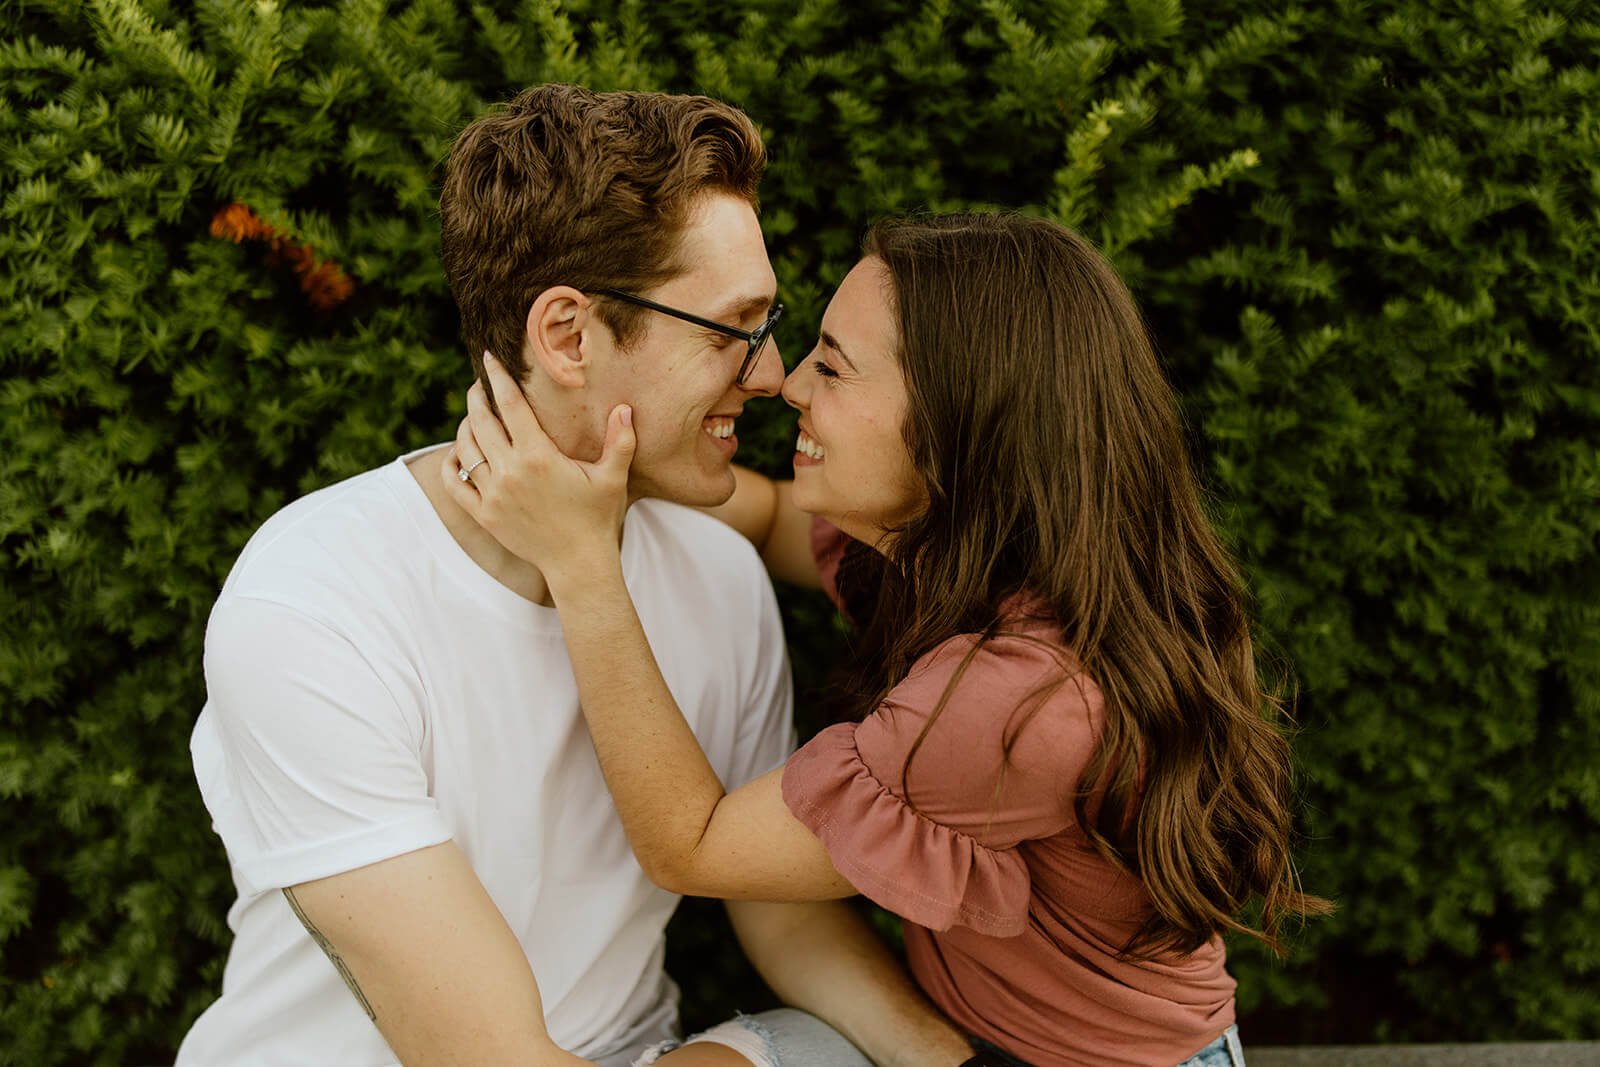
(323, 859)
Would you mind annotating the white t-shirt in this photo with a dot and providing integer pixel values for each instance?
(372, 691)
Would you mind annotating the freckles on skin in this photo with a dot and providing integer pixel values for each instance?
(676, 374)
(658, 421)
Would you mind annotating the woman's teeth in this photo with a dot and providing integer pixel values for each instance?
(720, 426)
(806, 446)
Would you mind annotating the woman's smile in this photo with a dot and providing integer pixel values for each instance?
(807, 452)
(850, 458)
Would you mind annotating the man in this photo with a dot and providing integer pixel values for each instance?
(429, 867)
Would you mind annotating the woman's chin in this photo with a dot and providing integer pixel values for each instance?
(807, 496)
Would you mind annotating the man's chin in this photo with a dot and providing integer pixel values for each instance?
(701, 490)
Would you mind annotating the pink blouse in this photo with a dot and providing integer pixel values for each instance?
(1012, 921)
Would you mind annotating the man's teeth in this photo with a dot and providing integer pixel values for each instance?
(806, 446)
(720, 426)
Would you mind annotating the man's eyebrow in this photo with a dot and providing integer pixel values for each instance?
(737, 310)
(833, 343)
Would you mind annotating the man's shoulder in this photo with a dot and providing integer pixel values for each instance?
(334, 536)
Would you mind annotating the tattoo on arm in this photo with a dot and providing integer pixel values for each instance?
(332, 954)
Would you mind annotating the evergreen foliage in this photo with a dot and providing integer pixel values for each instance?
(1364, 231)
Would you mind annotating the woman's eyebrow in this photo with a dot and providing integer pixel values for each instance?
(833, 343)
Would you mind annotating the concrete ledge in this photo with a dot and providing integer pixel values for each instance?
(1529, 1054)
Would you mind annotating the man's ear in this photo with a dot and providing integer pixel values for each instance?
(556, 322)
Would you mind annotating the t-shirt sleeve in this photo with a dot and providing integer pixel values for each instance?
(310, 764)
(937, 842)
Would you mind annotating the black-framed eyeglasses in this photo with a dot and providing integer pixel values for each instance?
(755, 338)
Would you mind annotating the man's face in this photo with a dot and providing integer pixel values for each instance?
(679, 377)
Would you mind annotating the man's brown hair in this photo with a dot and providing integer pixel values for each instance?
(565, 186)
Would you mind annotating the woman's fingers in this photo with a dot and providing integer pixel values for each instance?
(558, 513)
(449, 473)
(486, 427)
(462, 465)
(520, 422)
(470, 457)
(617, 455)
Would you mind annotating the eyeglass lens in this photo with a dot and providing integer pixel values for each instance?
(758, 341)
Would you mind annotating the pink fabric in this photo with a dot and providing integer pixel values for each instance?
(959, 879)
(1013, 921)
(827, 546)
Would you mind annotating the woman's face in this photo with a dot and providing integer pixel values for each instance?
(851, 465)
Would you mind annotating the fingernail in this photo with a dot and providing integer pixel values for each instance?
(627, 415)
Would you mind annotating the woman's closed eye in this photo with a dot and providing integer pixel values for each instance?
(822, 368)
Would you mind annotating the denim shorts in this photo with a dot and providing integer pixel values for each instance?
(1225, 1051)
(788, 1038)
(783, 1037)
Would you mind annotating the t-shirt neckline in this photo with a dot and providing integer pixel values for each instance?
(476, 582)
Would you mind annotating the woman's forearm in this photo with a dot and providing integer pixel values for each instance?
(787, 549)
(764, 511)
(752, 507)
(664, 788)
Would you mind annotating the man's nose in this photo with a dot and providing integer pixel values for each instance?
(766, 377)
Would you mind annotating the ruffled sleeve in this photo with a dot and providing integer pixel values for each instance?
(923, 805)
(921, 870)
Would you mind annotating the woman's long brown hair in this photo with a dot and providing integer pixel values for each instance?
(1051, 449)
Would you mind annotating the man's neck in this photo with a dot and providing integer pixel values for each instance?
(511, 571)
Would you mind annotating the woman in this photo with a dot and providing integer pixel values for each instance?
(1062, 778)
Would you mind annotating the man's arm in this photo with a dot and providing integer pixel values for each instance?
(321, 761)
(764, 511)
(823, 958)
(431, 960)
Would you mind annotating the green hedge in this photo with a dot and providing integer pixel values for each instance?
(1365, 234)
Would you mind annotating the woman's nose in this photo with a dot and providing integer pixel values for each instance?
(795, 390)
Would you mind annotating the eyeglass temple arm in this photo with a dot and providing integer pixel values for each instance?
(731, 331)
